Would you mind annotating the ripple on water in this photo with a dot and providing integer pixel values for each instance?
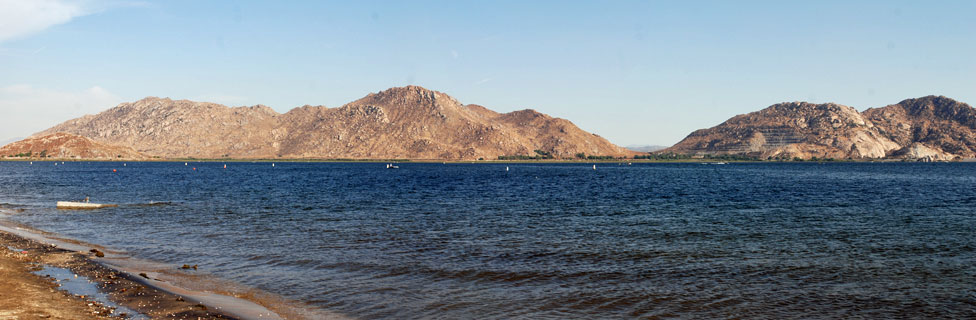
(545, 241)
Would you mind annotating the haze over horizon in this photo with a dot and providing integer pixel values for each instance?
(637, 73)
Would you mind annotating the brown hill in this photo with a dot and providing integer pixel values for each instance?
(408, 122)
(66, 146)
(930, 128)
(168, 128)
(936, 127)
(796, 129)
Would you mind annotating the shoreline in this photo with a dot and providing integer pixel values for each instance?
(586, 161)
(34, 296)
(153, 295)
(122, 287)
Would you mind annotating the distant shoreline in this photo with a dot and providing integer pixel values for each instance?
(188, 160)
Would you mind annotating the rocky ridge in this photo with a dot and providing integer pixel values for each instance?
(928, 128)
(67, 146)
(405, 123)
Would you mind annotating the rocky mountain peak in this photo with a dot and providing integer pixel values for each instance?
(409, 95)
(526, 116)
(940, 107)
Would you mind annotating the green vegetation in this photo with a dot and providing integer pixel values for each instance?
(30, 154)
(662, 156)
(543, 155)
(730, 157)
(539, 155)
(677, 156)
(523, 157)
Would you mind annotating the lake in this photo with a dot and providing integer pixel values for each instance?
(539, 241)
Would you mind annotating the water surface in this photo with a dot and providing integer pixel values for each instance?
(765, 240)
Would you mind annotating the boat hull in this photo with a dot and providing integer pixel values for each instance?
(82, 205)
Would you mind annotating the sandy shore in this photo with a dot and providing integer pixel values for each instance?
(26, 295)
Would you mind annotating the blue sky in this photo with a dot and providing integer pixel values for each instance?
(635, 72)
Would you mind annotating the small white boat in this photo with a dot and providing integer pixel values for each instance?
(391, 166)
(83, 205)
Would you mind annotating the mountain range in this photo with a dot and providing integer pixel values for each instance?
(416, 123)
(399, 123)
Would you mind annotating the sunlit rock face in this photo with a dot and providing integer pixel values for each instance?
(67, 146)
(929, 128)
(407, 122)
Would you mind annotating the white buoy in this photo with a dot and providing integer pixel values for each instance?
(272, 165)
(122, 164)
(185, 163)
(506, 169)
(594, 167)
(32, 163)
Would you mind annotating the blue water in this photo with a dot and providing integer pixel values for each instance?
(764, 240)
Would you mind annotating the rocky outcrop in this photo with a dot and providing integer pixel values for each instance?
(788, 130)
(408, 122)
(67, 146)
(177, 128)
(928, 128)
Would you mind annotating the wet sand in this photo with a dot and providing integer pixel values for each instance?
(26, 295)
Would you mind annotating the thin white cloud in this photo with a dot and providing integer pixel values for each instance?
(27, 110)
(21, 18)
